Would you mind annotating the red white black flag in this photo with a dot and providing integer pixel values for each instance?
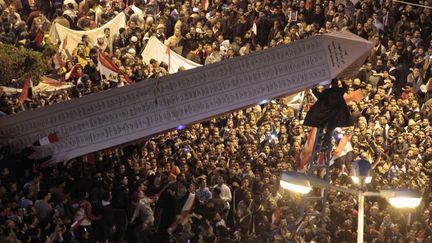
(52, 138)
(110, 70)
(26, 92)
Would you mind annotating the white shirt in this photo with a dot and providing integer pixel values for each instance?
(225, 193)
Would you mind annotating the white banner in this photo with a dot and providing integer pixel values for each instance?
(158, 51)
(59, 32)
(121, 115)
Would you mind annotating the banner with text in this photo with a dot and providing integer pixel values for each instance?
(121, 115)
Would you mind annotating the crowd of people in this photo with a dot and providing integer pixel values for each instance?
(218, 180)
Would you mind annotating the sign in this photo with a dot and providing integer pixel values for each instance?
(121, 115)
(59, 32)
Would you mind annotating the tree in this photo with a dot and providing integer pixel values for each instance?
(16, 63)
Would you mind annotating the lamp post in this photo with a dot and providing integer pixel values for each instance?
(360, 174)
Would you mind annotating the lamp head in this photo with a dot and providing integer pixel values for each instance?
(301, 182)
(402, 198)
(361, 171)
(296, 182)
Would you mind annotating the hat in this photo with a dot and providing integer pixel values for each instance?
(101, 36)
(134, 39)
(160, 26)
(132, 51)
(199, 31)
(195, 10)
(262, 155)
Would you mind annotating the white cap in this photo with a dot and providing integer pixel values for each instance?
(131, 51)
(134, 39)
(195, 10)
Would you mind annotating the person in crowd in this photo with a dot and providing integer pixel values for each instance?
(226, 181)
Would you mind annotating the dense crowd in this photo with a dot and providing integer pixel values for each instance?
(218, 180)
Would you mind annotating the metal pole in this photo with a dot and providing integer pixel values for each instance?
(360, 223)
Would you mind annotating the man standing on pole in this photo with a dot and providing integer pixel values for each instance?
(330, 111)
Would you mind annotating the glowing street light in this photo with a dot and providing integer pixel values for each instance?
(360, 174)
(402, 198)
(296, 182)
(361, 171)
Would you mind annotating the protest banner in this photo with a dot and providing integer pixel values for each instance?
(58, 32)
(122, 115)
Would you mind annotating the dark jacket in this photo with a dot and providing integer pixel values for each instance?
(330, 110)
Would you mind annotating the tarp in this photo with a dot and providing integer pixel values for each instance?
(158, 51)
(135, 111)
(59, 32)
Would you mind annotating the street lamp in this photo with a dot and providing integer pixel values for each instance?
(296, 182)
(361, 171)
(300, 182)
(400, 198)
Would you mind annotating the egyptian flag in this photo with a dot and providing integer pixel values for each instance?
(26, 92)
(90, 159)
(276, 216)
(64, 43)
(39, 37)
(110, 70)
(185, 212)
(205, 4)
(73, 73)
(168, 52)
(51, 138)
(254, 26)
(308, 5)
(354, 96)
(342, 149)
(307, 151)
(429, 85)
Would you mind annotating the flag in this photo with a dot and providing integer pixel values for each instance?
(254, 27)
(276, 216)
(39, 37)
(307, 151)
(26, 92)
(321, 161)
(354, 96)
(429, 85)
(76, 224)
(64, 42)
(342, 149)
(90, 159)
(205, 4)
(295, 101)
(110, 70)
(185, 212)
(52, 138)
(308, 5)
(73, 73)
